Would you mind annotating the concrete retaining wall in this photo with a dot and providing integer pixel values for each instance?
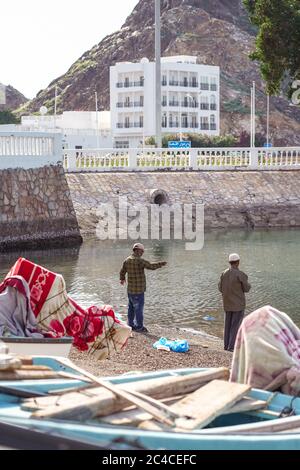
(36, 209)
(249, 199)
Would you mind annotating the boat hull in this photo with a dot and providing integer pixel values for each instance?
(57, 347)
(108, 436)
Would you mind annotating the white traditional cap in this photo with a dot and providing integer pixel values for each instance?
(234, 257)
(138, 246)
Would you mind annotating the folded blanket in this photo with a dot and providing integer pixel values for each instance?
(267, 352)
(16, 315)
(96, 329)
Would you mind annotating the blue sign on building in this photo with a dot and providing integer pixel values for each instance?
(268, 145)
(182, 144)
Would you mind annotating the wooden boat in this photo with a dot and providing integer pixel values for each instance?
(59, 347)
(51, 396)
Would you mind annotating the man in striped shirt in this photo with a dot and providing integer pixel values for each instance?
(134, 266)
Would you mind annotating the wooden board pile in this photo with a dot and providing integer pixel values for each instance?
(182, 403)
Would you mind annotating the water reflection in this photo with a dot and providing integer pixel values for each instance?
(185, 291)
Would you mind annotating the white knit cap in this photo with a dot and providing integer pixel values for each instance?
(138, 246)
(234, 257)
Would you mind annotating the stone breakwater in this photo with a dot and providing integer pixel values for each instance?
(36, 209)
(245, 199)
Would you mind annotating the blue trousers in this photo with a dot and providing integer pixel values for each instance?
(136, 310)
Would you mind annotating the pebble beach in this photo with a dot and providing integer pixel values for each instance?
(140, 356)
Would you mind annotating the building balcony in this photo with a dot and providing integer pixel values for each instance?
(204, 86)
(185, 84)
(129, 125)
(204, 106)
(213, 127)
(213, 107)
(204, 126)
(130, 84)
(130, 104)
(193, 104)
(185, 125)
(213, 88)
(173, 103)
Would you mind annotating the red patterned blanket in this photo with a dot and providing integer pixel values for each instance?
(96, 329)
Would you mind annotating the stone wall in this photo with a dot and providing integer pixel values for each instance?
(36, 209)
(249, 199)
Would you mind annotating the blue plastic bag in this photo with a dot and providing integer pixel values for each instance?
(179, 345)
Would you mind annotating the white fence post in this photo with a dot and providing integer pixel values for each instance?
(254, 158)
(194, 159)
(71, 162)
(57, 146)
(132, 159)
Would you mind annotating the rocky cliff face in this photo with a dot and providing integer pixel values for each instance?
(218, 32)
(14, 99)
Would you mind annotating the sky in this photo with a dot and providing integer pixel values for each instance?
(40, 39)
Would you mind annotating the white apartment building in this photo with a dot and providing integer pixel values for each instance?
(190, 99)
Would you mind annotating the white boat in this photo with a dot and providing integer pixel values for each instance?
(58, 347)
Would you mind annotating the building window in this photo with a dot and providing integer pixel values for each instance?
(194, 122)
(204, 84)
(194, 82)
(164, 80)
(213, 84)
(213, 103)
(204, 105)
(122, 144)
(213, 125)
(204, 124)
(164, 121)
(127, 123)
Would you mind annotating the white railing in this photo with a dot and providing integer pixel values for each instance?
(211, 159)
(29, 150)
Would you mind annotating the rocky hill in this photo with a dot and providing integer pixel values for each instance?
(218, 32)
(13, 98)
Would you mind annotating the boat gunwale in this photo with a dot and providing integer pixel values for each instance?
(26, 340)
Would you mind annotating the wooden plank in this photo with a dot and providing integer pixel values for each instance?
(28, 375)
(9, 363)
(246, 404)
(158, 411)
(26, 360)
(205, 404)
(132, 416)
(105, 402)
(210, 401)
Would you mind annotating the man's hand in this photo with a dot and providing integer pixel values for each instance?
(123, 282)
